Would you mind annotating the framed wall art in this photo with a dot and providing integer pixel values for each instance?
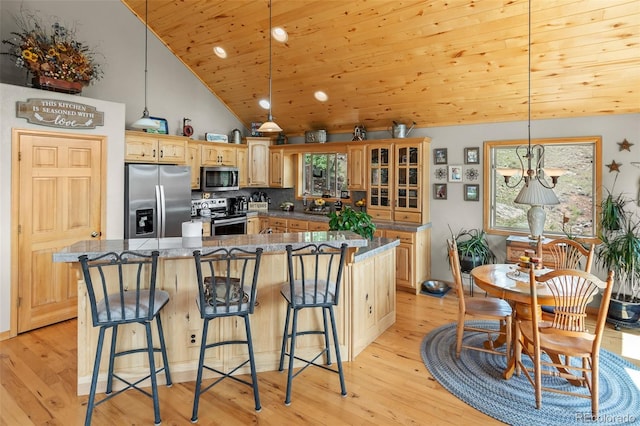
(472, 192)
(472, 155)
(455, 173)
(440, 191)
(440, 156)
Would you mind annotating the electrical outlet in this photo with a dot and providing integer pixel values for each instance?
(193, 338)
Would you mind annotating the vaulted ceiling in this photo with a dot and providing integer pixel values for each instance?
(438, 63)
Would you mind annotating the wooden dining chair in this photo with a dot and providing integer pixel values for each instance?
(487, 308)
(566, 254)
(566, 335)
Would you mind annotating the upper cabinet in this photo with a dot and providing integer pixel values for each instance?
(258, 161)
(280, 169)
(193, 160)
(218, 154)
(357, 167)
(143, 147)
(398, 173)
(242, 159)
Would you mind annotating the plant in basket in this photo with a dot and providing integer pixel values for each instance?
(52, 54)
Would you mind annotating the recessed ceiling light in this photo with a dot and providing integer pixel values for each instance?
(321, 96)
(280, 34)
(220, 52)
(264, 103)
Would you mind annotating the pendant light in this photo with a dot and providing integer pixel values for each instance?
(536, 192)
(531, 173)
(270, 126)
(145, 122)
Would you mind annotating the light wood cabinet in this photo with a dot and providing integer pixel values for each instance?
(297, 225)
(357, 167)
(278, 225)
(315, 225)
(396, 178)
(193, 160)
(242, 161)
(214, 154)
(280, 169)
(413, 257)
(143, 147)
(374, 298)
(253, 225)
(258, 161)
(380, 178)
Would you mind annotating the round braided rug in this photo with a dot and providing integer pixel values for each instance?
(476, 379)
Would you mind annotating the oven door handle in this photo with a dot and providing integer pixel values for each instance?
(231, 221)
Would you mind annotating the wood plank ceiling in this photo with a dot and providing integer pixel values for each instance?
(438, 63)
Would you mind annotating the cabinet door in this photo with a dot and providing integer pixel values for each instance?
(405, 264)
(258, 153)
(356, 167)
(193, 160)
(275, 168)
(408, 173)
(242, 161)
(277, 225)
(380, 199)
(296, 225)
(141, 148)
(214, 155)
(253, 225)
(172, 151)
(318, 226)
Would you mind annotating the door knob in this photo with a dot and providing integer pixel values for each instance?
(94, 234)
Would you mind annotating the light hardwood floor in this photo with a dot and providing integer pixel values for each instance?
(387, 383)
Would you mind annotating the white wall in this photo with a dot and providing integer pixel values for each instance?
(457, 213)
(113, 129)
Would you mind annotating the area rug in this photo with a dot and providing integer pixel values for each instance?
(476, 379)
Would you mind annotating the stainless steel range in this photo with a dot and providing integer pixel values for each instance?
(226, 217)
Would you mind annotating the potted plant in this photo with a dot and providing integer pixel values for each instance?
(351, 220)
(619, 251)
(473, 248)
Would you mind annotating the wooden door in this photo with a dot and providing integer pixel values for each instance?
(60, 202)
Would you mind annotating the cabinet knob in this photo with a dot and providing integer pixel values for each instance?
(94, 234)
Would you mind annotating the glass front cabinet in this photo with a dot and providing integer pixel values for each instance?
(397, 180)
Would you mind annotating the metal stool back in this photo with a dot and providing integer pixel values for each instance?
(315, 278)
(227, 286)
(121, 288)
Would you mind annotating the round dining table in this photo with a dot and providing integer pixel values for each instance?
(511, 283)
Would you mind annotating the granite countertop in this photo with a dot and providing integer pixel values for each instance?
(381, 224)
(375, 246)
(184, 247)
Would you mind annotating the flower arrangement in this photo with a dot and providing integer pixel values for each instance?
(53, 53)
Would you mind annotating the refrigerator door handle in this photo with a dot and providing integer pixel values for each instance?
(158, 212)
(163, 212)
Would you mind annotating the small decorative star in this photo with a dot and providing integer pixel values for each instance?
(614, 167)
(625, 144)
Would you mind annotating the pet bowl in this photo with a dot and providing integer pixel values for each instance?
(435, 286)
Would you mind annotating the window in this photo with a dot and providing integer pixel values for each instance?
(325, 174)
(578, 189)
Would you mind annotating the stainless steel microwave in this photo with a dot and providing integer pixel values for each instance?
(219, 178)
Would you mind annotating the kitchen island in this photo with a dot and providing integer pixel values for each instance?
(366, 308)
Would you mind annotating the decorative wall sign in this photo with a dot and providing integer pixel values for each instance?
(57, 113)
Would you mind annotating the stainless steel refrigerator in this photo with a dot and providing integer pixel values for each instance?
(157, 200)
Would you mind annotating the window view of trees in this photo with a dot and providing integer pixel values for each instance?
(325, 174)
(577, 188)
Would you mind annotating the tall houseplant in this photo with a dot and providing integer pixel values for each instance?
(473, 248)
(619, 251)
(349, 219)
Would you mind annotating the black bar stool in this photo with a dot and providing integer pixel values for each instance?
(315, 277)
(227, 280)
(122, 290)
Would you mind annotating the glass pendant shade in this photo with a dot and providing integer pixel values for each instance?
(145, 122)
(269, 127)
